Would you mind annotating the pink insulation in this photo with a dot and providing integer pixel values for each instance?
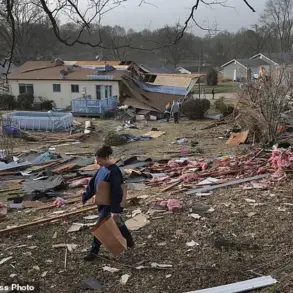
(188, 177)
(59, 202)
(80, 182)
(173, 205)
(281, 159)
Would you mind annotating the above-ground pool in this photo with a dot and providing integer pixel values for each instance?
(42, 121)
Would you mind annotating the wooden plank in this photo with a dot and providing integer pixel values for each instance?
(243, 286)
(230, 183)
(90, 167)
(64, 168)
(237, 138)
(43, 221)
(171, 186)
(154, 134)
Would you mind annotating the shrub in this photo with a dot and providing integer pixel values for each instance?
(46, 104)
(25, 101)
(7, 102)
(195, 109)
(212, 77)
(222, 107)
(114, 139)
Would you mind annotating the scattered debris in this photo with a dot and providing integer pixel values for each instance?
(173, 205)
(124, 279)
(91, 283)
(70, 247)
(4, 260)
(195, 216)
(111, 270)
(237, 138)
(137, 222)
(91, 217)
(59, 202)
(160, 266)
(192, 243)
(74, 228)
(37, 268)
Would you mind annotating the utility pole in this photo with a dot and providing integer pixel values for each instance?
(199, 62)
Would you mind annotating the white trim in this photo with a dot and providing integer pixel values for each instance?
(260, 54)
(235, 61)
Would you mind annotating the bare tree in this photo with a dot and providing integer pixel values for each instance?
(83, 18)
(266, 100)
(278, 17)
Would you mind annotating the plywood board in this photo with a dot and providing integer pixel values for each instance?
(154, 134)
(237, 138)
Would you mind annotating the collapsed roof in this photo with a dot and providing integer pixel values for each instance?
(132, 95)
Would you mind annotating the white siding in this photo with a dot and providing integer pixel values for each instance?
(63, 99)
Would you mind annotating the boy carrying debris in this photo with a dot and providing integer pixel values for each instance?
(110, 173)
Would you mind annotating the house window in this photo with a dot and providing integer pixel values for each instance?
(75, 88)
(26, 88)
(57, 88)
(108, 91)
(99, 92)
(103, 91)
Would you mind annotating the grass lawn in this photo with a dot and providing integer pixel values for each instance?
(219, 89)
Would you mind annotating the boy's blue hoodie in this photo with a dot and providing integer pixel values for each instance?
(113, 176)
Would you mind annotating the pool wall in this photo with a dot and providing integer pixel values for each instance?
(41, 121)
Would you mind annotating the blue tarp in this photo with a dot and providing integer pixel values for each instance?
(164, 89)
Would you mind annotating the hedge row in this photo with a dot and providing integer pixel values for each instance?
(25, 102)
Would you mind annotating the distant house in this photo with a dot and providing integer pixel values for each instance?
(64, 81)
(238, 69)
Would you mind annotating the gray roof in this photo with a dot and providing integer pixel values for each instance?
(249, 63)
(163, 69)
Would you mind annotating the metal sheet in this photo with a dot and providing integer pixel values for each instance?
(239, 181)
(240, 286)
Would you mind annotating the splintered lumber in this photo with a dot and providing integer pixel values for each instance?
(230, 183)
(171, 186)
(64, 168)
(243, 286)
(43, 221)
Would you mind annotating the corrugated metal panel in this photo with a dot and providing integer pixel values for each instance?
(240, 286)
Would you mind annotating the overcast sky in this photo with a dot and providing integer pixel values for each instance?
(130, 15)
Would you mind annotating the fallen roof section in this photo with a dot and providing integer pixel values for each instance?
(132, 94)
(240, 286)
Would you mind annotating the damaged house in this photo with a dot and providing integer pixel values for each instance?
(64, 81)
(92, 88)
(143, 90)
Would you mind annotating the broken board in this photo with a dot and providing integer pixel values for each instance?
(237, 138)
(154, 134)
(243, 286)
